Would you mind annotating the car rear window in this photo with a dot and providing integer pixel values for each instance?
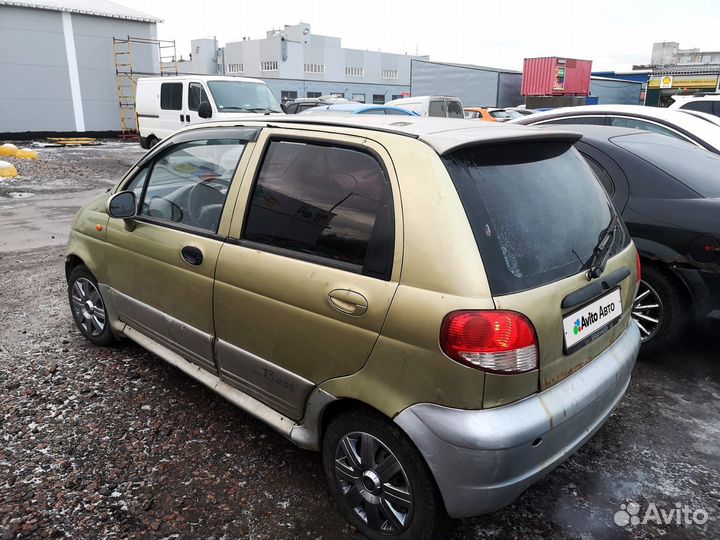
(690, 165)
(536, 211)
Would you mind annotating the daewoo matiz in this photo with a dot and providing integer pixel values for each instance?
(441, 307)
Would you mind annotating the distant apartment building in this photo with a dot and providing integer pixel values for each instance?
(296, 63)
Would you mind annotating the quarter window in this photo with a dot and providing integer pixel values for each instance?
(171, 96)
(188, 184)
(324, 202)
(602, 174)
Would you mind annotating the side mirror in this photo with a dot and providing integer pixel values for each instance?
(283, 107)
(205, 110)
(122, 205)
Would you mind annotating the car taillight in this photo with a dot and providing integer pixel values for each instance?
(639, 269)
(495, 341)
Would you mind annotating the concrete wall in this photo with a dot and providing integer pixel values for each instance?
(35, 94)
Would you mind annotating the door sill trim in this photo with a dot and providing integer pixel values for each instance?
(249, 404)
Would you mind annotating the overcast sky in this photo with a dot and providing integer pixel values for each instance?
(615, 34)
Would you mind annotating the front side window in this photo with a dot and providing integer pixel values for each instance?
(171, 96)
(701, 106)
(323, 201)
(188, 184)
(196, 95)
(454, 109)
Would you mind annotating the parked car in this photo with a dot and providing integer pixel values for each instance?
(703, 116)
(705, 102)
(519, 112)
(668, 192)
(371, 289)
(303, 104)
(483, 113)
(345, 109)
(166, 104)
(438, 106)
(664, 121)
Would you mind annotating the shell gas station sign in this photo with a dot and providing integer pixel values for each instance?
(684, 81)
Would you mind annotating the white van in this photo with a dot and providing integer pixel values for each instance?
(166, 104)
(444, 106)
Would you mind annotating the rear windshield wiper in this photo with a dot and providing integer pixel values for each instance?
(601, 251)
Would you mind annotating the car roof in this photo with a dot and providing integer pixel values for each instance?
(206, 78)
(444, 135)
(631, 110)
(360, 107)
(696, 128)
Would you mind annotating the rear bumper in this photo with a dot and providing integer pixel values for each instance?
(483, 459)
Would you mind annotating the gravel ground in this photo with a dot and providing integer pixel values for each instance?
(113, 443)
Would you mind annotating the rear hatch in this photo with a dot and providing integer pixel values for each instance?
(538, 214)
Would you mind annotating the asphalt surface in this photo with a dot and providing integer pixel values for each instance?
(113, 443)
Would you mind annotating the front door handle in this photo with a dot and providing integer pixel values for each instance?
(192, 255)
(348, 302)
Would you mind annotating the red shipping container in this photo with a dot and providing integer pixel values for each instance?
(553, 76)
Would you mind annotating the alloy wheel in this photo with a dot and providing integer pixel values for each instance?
(647, 311)
(373, 483)
(88, 307)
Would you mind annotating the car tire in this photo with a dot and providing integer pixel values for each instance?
(371, 467)
(88, 307)
(658, 288)
(152, 140)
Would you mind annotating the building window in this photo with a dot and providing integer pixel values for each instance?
(235, 68)
(313, 94)
(315, 68)
(270, 65)
(360, 98)
(397, 96)
(379, 99)
(288, 95)
(355, 72)
(389, 73)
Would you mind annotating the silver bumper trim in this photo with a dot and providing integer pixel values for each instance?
(483, 459)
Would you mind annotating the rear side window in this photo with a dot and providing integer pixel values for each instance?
(171, 96)
(437, 108)
(535, 209)
(331, 203)
(591, 120)
(637, 123)
(701, 106)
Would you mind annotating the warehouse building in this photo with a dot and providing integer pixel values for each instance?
(296, 63)
(57, 63)
(479, 86)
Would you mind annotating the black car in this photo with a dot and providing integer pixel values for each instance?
(668, 193)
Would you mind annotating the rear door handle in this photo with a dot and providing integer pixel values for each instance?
(192, 255)
(348, 302)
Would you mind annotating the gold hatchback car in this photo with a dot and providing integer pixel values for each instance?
(442, 307)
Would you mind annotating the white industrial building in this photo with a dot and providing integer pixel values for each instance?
(294, 62)
(57, 63)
